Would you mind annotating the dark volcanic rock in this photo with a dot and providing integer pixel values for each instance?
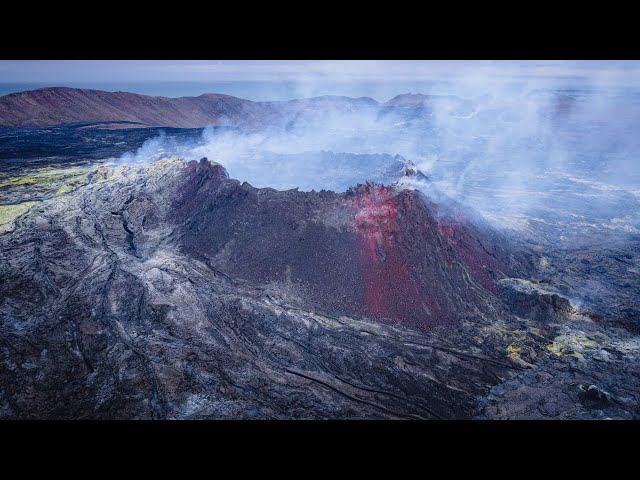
(362, 253)
(590, 374)
(531, 300)
(169, 290)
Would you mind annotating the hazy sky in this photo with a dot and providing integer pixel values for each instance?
(230, 70)
(192, 77)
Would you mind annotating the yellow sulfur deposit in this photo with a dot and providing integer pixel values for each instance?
(569, 346)
(9, 213)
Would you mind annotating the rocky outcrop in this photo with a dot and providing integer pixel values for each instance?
(535, 301)
(590, 373)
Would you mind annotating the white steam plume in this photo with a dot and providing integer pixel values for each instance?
(508, 145)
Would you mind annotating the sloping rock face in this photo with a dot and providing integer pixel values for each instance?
(371, 252)
(171, 291)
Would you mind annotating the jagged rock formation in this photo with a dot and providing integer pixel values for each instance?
(534, 301)
(169, 290)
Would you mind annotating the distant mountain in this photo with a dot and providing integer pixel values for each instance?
(60, 105)
(51, 106)
(446, 103)
(57, 105)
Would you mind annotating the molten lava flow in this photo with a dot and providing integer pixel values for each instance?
(391, 292)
